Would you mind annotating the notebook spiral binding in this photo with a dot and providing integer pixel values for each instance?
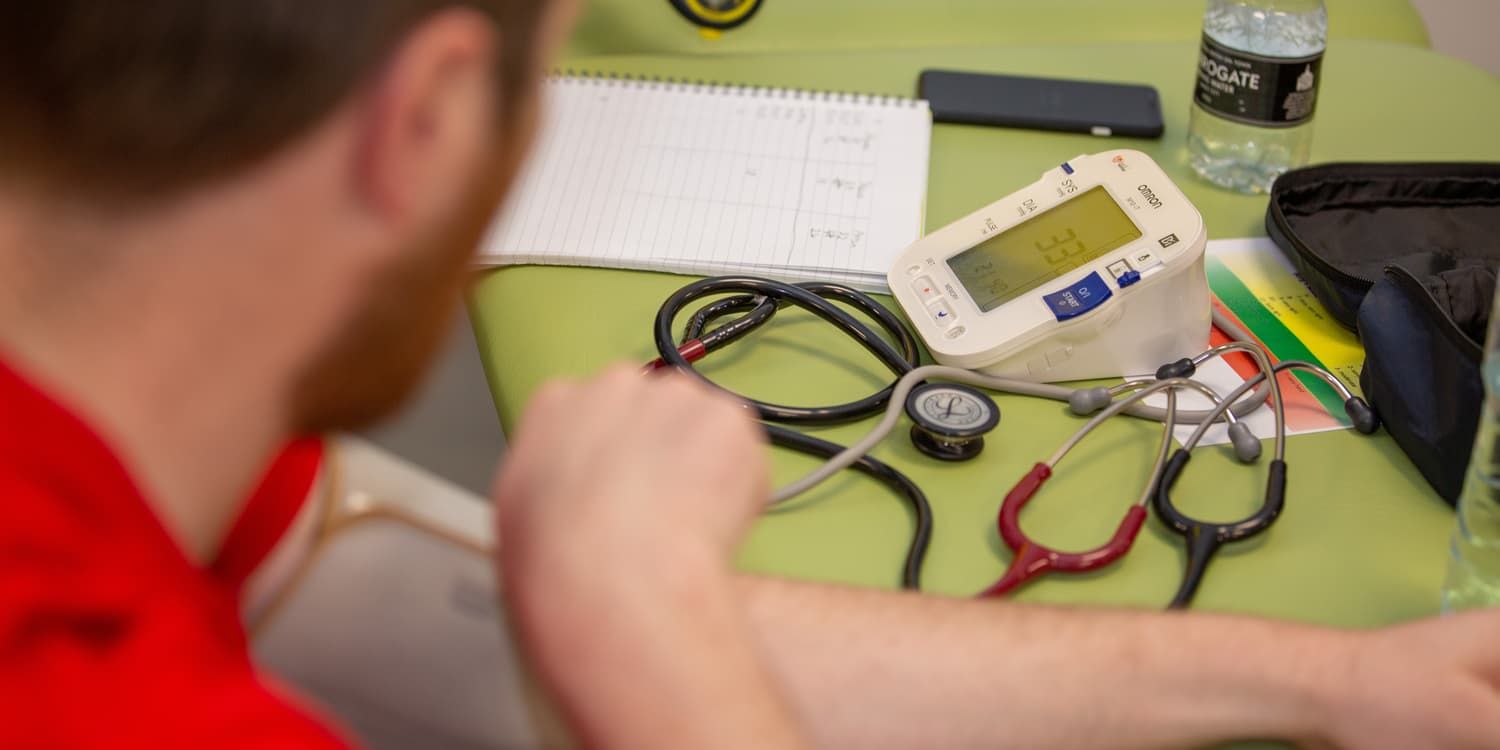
(671, 83)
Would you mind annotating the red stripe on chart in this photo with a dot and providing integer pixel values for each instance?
(1303, 409)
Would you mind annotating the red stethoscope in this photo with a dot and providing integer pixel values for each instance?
(1031, 559)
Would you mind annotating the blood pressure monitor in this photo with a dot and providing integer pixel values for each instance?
(1095, 270)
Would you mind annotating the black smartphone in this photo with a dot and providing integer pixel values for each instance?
(1042, 103)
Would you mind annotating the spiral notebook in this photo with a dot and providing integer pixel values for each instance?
(711, 179)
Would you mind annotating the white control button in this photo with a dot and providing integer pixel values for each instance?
(941, 313)
(926, 290)
(913, 270)
(956, 331)
(1144, 259)
(1118, 268)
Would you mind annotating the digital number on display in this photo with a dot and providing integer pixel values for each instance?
(1042, 248)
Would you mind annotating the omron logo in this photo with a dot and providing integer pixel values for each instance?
(1150, 197)
(1167, 241)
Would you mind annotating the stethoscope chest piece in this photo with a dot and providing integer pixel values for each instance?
(950, 420)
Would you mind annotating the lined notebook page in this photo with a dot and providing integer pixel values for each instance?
(712, 179)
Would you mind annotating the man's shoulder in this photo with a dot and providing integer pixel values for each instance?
(107, 638)
(57, 544)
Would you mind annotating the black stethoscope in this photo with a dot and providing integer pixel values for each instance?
(1203, 539)
(950, 418)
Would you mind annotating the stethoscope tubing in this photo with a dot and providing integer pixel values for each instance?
(762, 297)
(921, 538)
(903, 386)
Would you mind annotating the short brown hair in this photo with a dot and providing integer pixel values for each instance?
(133, 97)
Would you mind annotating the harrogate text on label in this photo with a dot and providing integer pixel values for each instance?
(1228, 75)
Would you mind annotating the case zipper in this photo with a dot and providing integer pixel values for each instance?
(1424, 297)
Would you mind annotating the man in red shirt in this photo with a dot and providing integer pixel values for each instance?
(223, 225)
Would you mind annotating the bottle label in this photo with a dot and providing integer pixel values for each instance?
(1275, 92)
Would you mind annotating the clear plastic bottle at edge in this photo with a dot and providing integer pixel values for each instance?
(1258, 76)
(1474, 569)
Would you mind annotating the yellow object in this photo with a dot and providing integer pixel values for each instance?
(728, 15)
(710, 34)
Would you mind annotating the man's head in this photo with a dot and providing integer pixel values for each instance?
(367, 141)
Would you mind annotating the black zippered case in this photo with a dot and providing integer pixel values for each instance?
(1405, 255)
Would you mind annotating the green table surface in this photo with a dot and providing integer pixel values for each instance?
(1363, 539)
(614, 27)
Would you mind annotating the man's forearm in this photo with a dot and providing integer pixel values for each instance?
(875, 668)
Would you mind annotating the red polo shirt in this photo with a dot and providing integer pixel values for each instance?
(109, 635)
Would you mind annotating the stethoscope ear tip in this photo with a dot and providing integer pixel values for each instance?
(1086, 401)
(1182, 368)
(1246, 445)
(1361, 415)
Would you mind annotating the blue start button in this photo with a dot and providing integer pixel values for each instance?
(1078, 298)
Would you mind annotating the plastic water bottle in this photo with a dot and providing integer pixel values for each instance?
(1258, 76)
(1474, 570)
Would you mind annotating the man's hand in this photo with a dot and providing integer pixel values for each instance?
(619, 509)
(632, 470)
(1434, 683)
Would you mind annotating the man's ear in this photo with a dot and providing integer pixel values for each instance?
(429, 120)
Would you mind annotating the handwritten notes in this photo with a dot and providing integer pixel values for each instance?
(708, 179)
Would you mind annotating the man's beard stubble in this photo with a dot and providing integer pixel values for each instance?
(381, 357)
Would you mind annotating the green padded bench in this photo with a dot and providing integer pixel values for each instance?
(1363, 540)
